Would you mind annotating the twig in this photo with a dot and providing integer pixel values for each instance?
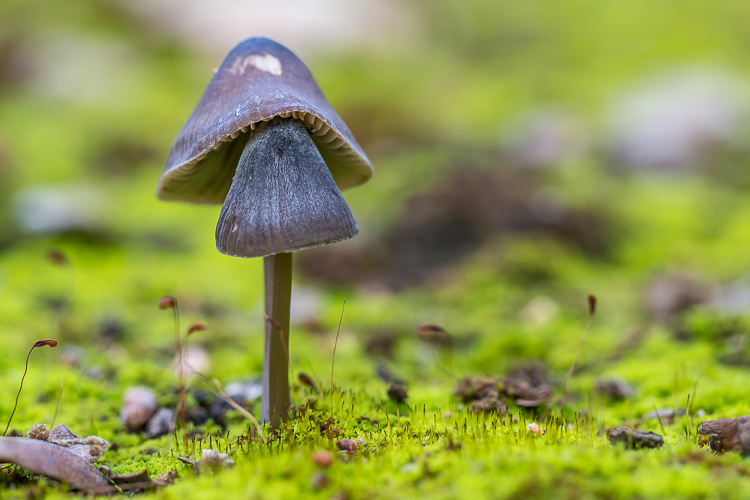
(38, 343)
(335, 344)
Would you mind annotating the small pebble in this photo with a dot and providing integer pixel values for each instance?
(633, 439)
(160, 423)
(214, 459)
(139, 404)
(322, 458)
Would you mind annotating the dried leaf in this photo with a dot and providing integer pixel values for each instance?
(633, 439)
(89, 448)
(142, 480)
(49, 460)
(728, 434)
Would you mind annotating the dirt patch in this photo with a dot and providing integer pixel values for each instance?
(486, 393)
(440, 227)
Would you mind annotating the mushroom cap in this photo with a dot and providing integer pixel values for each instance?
(259, 79)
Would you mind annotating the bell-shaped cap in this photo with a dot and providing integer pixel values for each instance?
(283, 197)
(259, 79)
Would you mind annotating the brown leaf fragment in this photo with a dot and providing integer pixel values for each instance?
(614, 389)
(524, 393)
(729, 434)
(489, 404)
(142, 481)
(49, 460)
(635, 440)
(474, 388)
(89, 448)
(136, 477)
(486, 391)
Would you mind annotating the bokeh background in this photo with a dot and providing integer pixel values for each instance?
(526, 154)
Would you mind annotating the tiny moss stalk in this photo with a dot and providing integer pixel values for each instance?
(276, 401)
(38, 343)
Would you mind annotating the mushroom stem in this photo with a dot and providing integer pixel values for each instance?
(275, 400)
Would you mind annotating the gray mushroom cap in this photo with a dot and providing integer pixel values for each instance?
(259, 79)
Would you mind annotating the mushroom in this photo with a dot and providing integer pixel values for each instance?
(264, 142)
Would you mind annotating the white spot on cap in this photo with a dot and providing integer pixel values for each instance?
(266, 62)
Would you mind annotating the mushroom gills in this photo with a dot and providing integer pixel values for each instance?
(283, 197)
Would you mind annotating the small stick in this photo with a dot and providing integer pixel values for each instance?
(38, 343)
(335, 344)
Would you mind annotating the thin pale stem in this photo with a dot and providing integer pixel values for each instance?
(15, 406)
(38, 343)
(335, 344)
(275, 401)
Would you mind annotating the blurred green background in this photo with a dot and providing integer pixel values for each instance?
(526, 154)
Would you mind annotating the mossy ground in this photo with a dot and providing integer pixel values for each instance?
(421, 112)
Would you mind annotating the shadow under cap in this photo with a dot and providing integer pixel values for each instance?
(259, 79)
(283, 197)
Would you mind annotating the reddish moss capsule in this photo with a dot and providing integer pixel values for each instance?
(348, 445)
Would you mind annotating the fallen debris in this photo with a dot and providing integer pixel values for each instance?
(666, 415)
(140, 481)
(90, 448)
(635, 440)
(47, 459)
(397, 392)
(670, 295)
(729, 434)
(39, 431)
(486, 393)
(614, 389)
(490, 403)
(441, 226)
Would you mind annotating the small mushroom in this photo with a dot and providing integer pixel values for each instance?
(265, 143)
